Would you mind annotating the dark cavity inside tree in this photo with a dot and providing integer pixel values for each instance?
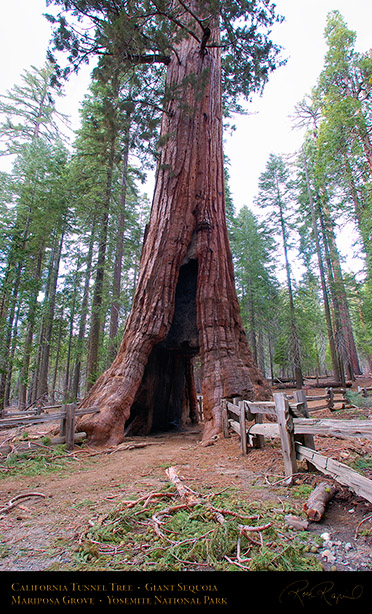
(185, 303)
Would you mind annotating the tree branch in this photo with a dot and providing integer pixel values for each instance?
(199, 21)
(155, 58)
(176, 22)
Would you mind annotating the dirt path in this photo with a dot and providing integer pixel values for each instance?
(41, 533)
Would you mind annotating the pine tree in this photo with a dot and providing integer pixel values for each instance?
(28, 129)
(310, 212)
(344, 96)
(252, 249)
(28, 111)
(275, 194)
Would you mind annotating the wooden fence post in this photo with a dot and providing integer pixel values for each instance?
(286, 432)
(258, 441)
(225, 422)
(306, 440)
(70, 425)
(243, 431)
(300, 397)
(62, 424)
(331, 397)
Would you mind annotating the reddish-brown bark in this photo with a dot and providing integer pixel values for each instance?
(185, 302)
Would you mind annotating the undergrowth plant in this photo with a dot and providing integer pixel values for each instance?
(358, 400)
(36, 461)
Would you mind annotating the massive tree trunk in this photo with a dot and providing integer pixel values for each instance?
(185, 302)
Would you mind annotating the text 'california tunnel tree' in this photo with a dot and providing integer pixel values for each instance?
(185, 302)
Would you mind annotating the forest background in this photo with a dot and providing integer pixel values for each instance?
(74, 209)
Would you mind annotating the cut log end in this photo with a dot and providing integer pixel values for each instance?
(315, 506)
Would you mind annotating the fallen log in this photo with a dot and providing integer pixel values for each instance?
(330, 385)
(361, 485)
(284, 386)
(315, 506)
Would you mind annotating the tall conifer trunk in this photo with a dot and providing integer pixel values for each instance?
(83, 315)
(119, 253)
(95, 333)
(41, 386)
(30, 327)
(295, 345)
(337, 365)
(185, 302)
(344, 330)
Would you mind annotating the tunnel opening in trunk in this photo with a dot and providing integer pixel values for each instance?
(166, 398)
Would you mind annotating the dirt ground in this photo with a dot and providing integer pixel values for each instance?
(39, 534)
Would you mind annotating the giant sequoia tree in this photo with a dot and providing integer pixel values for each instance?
(185, 302)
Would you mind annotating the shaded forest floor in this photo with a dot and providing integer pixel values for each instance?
(42, 533)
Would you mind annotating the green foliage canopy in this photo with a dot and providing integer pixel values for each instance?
(146, 33)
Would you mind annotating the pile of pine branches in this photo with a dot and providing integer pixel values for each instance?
(180, 529)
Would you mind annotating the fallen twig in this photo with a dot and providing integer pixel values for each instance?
(186, 494)
(236, 563)
(146, 499)
(238, 553)
(361, 522)
(263, 527)
(16, 500)
(283, 479)
(120, 448)
(225, 512)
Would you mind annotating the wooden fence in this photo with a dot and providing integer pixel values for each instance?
(66, 416)
(333, 399)
(297, 435)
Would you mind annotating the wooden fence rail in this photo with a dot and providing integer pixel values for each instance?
(67, 418)
(343, 429)
(296, 435)
(334, 399)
